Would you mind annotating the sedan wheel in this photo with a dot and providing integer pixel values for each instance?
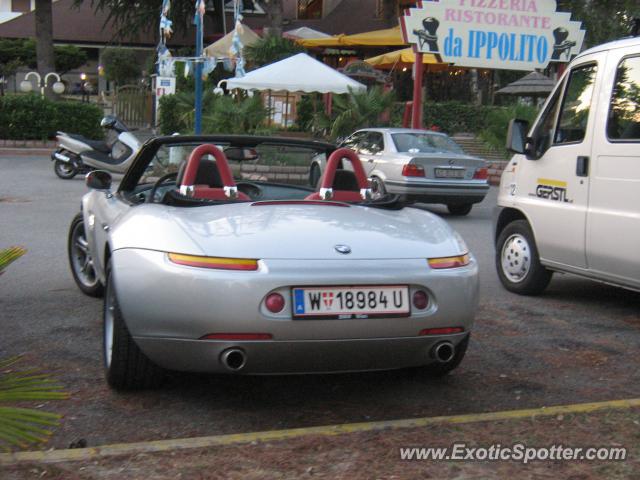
(517, 261)
(126, 366)
(459, 209)
(378, 189)
(81, 260)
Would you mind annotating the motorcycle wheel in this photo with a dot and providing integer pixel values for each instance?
(64, 170)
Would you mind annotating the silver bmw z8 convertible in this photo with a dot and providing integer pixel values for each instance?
(206, 268)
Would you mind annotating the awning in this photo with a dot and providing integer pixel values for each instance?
(304, 33)
(533, 84)
(389, 37)
(299, 73)
(401, 58)
(220, 48)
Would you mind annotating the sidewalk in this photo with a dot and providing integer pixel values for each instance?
(376, 453)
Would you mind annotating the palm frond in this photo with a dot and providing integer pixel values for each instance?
(10, 255)
(21, 426)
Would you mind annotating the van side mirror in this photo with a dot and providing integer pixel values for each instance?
(517, 136)
(98, 180)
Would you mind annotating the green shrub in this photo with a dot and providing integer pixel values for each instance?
(230, 115)
(30, 117)
(169, 120)
(455, 117)
(494, 132)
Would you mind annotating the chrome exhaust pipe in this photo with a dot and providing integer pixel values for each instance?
(233, 359)
(443, 352)
(61, 157)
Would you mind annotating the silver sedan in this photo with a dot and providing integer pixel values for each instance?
(422, 166)
(203, 273)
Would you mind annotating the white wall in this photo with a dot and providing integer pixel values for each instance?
(5, 10)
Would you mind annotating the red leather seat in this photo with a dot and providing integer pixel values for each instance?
(208, 180)
(344, 185)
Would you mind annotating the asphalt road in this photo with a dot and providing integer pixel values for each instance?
(577, 343)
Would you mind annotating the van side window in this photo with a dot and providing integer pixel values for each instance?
(543, 132)
(624, 112)
(574, 114)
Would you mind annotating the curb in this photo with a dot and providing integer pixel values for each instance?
(23, 152)
(118, 449)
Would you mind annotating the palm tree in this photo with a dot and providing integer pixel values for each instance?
(275, 15)
(269, 49)
(358, 110)
(44, 39)
(22, 426)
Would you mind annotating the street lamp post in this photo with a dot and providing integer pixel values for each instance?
(26, 86)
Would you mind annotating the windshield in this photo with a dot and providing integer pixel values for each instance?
(267, 162)
(414, 142)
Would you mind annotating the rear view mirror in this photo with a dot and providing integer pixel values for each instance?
(241, 154)
(517, 136)
(98, 180)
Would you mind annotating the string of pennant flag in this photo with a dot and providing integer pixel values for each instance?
(166, 61)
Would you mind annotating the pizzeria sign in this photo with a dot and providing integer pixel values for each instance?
(507, 34)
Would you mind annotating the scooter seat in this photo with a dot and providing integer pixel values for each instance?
(97, 145)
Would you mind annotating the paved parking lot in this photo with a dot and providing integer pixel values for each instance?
(577, 343)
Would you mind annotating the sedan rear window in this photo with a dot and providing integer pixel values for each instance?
(424, 143)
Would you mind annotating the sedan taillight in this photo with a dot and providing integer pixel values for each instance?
(412, 170)
(481, 174)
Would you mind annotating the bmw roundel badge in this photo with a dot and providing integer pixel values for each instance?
(343, 249)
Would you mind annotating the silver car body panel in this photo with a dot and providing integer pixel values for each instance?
(169, 307)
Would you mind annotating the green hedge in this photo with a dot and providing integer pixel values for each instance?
(455, 117)
(30, 117)
(170, 120)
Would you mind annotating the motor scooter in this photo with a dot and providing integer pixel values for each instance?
(77, 154)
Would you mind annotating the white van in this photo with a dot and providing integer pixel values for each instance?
(569, 200)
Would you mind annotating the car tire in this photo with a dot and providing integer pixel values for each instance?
(378, 190)
(64, 170)
(81, 260)
(126, 366)
(517, 260)
(314, 176)
(459, 209)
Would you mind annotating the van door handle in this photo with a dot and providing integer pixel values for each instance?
(582, 167)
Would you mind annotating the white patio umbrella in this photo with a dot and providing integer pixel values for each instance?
(299, 73)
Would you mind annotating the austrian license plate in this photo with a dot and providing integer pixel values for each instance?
(449, 172)
(351, 302)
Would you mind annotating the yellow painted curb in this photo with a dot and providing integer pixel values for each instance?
(54, 456)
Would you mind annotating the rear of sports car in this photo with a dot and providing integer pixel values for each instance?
(293, 287)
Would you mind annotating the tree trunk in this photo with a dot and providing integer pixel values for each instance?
(275, 15)
(44, 40)
(389, 13)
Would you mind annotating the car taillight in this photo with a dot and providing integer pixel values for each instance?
(441, 331)
(450, 262)
(481, 174)
(214, 262)
(412, 170)
(236, 336)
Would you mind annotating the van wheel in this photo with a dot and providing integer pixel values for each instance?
(517, 260)
(459, 209)
(126, 366)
